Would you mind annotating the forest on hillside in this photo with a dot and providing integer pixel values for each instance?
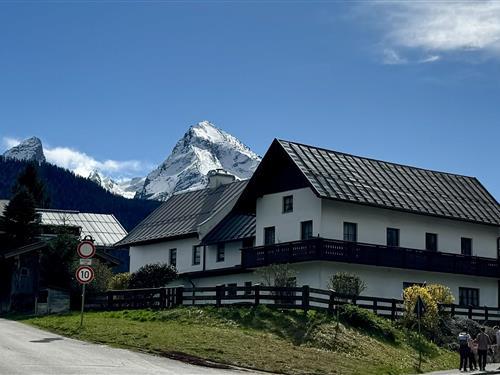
(65, 190)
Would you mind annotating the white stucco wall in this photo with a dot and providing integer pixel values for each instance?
(373, 222)
(232, 255)
(269, 212)
(381, 281)
(159, 253)
(328, 217)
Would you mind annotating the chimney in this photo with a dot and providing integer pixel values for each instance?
(218, 177)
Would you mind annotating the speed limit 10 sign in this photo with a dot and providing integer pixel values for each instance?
(84, 274)
(86, 249)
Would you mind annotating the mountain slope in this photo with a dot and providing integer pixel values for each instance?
(127, 188)
(203, 147)
(30, 149)
(67, 191)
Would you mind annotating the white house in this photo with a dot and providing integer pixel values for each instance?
(324, 211)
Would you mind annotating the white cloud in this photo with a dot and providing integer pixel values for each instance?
(430, 59)
(391, 57)
(433, 28)
(10, 142)
(82, 164)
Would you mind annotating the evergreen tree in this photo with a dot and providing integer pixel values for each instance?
(29, 180)
(20, 220)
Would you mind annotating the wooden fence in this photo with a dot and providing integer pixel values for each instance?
(304, 298)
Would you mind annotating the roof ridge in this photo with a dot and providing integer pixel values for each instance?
(377, 160)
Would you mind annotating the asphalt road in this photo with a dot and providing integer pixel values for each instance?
(27, 350)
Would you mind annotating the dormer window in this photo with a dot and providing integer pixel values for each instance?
(287, 204)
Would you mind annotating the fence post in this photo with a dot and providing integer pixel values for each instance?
(470, 312)
(452, 311)
(486, 314)
(305, 297)
(218, 295)
(163, 298)
(375, 305)
(393, 310)
(110, 300)
(257, 294)
(331, 302)
(179, 295)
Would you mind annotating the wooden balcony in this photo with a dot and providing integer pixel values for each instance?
(368, 254)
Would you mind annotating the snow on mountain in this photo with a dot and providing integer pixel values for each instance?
(204, 147)
(30, 149)
(127, 188)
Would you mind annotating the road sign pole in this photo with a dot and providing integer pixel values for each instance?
(83, 305)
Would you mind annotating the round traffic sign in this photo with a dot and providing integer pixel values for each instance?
(86, 249)
(85, 274)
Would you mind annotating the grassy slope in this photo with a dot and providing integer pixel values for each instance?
(289, 342)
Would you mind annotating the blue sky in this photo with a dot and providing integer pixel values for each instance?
(410, 82)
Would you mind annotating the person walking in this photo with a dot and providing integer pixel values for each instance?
(472, 354)
(483, 340)
(463, 348)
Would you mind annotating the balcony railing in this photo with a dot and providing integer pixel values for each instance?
(369, 254)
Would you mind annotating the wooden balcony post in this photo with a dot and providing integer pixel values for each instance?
(452, 311)
(470, 312)
(486, 313)
(305, 297)
(375, 305)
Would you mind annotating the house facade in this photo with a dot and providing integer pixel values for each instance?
(323, 212)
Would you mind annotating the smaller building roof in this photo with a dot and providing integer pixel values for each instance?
(3, 204)
(105, 229)
(182, 213)
(233, 227)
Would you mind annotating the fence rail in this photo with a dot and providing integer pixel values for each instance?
(292, 298)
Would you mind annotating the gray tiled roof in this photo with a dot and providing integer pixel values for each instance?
(233, 227)
(181, 214)
(345, 177)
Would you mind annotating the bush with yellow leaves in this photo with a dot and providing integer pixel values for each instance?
(432, 295)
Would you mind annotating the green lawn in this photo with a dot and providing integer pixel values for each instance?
(260, 338)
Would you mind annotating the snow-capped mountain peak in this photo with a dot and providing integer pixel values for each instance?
(30, 149)
(203, 148)
(126, 187)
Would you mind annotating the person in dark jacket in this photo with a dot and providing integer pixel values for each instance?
(463, 348)
(483, 340)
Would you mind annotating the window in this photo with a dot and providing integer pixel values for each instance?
(269, 236)
(466, 246)
(350, 232)
(221, 252)
(248, 288)
(196, 255)
(288, 204)
(468, 296)
(231, 290)
(173, 257)
(431, 241)
(306, 230)
(393, 237)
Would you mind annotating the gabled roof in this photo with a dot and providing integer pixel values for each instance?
(182, 213)
(233, 227)
(350, 178)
